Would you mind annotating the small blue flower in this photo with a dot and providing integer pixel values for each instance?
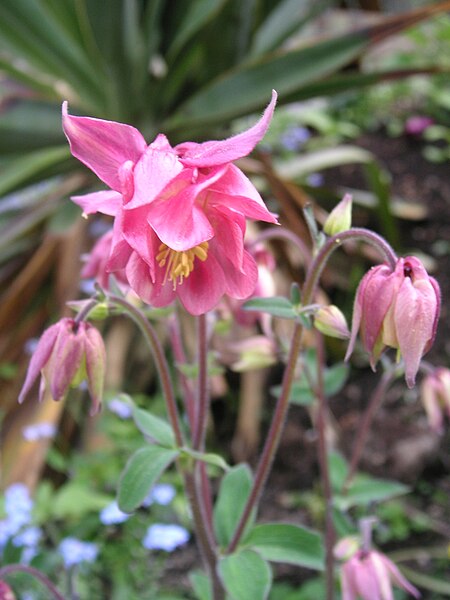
(314, 180)
(28, 537)
(18, 506)
(112, 515)
(295, 137)
(165, 537)
(162, 493)
(120, 408)
(74, 551)
(39, 431)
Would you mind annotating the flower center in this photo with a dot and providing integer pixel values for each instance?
(179, 265)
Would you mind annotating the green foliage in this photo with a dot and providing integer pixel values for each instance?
(141, 472)
(245, 574)
(282, 542)
(233, 493)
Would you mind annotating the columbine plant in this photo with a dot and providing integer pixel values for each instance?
(179, 220)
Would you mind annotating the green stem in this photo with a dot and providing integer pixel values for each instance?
(332, 244)
(202, 386)
(8, 569)
(161, 362)
(325, 471)
(273, 438)
(281, 409)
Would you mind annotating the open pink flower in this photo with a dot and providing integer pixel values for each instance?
(179, 212)
(399, 309)
(67, 354)
(370, 575)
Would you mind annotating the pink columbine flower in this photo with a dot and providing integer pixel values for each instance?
(435, 394)
(399, 309)
(370, 576)
(179, 212)
(96, 264)
(67, 354)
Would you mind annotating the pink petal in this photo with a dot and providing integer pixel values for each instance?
(229, 228)
(204, 287)
(415, 310)
(176, 217)
(156, 168)
(65, 360)
(236, 191)
(138, 234)
(357, 315)
(397, 577)
(103, 146)
(39, 359)
(105, 202)
(213, 153)
(155, 293)
(241, 283)
(95, 365)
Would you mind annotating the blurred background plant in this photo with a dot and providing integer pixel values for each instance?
(188, 69)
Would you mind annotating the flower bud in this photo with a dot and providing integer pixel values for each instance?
(67, 354)
(435, 395)
(399, 309)
(340, 218)
(369, 574)
(6, 592)
(330, 321)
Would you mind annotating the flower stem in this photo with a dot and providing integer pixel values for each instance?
(324, 470)
(202, 386)
(334, 242)
(375, 402)
(8, 569)
(273, 438)
(161, 362)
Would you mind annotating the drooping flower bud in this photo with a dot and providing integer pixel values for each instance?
(435, 394)
(330, 321)
(340, 218)
(67, 354)
(370, 576)
(399, 309)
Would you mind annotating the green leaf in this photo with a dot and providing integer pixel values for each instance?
(206, 457)
(233, 493)
(154, 427)
(277, 306)
(248, 87)
(281, 542)
(141, 472)
(201, 585)
(20, 170)
(245, 575)
(338, 470)
(74, 500)
(364, 490)
(288, 17)
(199, 14)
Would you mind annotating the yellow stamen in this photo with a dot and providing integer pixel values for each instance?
(179, 265)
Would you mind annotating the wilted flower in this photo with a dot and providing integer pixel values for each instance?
(165, 537)
(330, 321)
(340, 218)
(370, 576)
(67, 354)
(74, 551)
(399, 309)
(179, 212)
(435, 394)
